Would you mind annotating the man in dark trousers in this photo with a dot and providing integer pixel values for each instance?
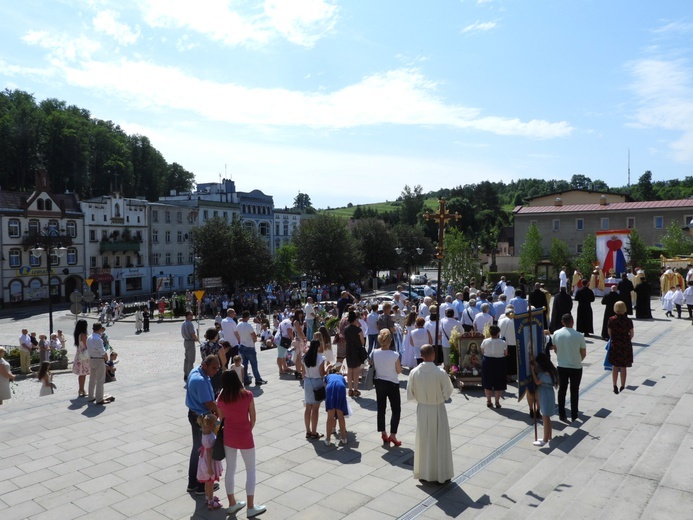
(584, 296)
(562, 304)
(625, 287)
(537, 299)
(571, 350)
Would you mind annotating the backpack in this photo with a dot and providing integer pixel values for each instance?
(499, 290)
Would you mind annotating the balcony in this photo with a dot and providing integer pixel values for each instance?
(119, 246)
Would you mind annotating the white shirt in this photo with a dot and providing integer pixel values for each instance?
(229, 330)
(493, 348)
(25, 342)
(285, 326)
(563, 279)
(314, 372)
(385, 362)
(678, 297)
(372, 322)
(424, 312)
(688, 295)
(95, 346)
(507, 329)
(509, 292)
(468, 315)
(309, 311)
(246, 332)
(447, 325)
(480, 321)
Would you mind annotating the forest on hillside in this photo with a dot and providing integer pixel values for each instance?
(80, 153)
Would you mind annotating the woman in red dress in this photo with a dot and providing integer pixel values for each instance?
(621, 349)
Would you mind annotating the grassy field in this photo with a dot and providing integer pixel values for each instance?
(382, 207)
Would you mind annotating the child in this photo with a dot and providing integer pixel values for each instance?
(46, 379)
(678, 300)
(326, 345)
(110, 366)
(668, 302)
(335, 403)
(238, 366)
(55, 344)
(546, 378)
(266, 337)
(208, 469)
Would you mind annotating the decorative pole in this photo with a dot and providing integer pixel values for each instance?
(442, 217)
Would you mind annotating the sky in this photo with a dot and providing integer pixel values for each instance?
(348, 101)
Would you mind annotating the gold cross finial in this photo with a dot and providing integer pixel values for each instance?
(442, 216)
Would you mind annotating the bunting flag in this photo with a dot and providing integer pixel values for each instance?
(611, 251)
(529, 334)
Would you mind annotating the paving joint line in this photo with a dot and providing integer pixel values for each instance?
(424, 505)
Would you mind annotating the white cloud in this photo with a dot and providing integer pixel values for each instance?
(673, 28)
(301, 22)
(107, 22)
(63, 48)
(480, 27)
(664, 94)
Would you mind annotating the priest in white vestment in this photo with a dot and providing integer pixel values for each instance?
(430, 387)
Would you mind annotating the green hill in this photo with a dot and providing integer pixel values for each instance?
(382, 207)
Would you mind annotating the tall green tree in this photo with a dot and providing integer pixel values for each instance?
(408, 240)
(676, 241)
(249, 262)
(559, 255)
(460, 264)
(585, 261)
(285, 263)
(377, 244)
(532, 251)
(328, 250)
(412, 205)
(302, 202)
(637, 249)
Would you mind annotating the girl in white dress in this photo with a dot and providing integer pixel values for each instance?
(46, 379)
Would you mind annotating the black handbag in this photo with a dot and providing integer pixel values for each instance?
(319, 394)
(218, 452)
(285, 342)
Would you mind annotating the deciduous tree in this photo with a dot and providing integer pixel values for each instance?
(531, 251)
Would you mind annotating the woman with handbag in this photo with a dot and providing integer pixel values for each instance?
(355, 353)
(237, 409)
(300, 341)
(313, 388)
(387, 367)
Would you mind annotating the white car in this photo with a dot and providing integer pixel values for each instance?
(418, 278)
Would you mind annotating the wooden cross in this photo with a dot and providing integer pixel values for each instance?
(442, 217)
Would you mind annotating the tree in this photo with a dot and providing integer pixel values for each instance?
(410, 238)
(285, 263)
(644, 189)
(326, 249)
(586, 260)
(460, 263)
(249, 261)
(376, 243)
(580, 182)
(559, 254)
(636, 249)
(412, 205)
(302, 202)
(532, 251)
(676, 242)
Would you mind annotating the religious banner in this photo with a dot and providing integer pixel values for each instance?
(612, 251)
(529, 334)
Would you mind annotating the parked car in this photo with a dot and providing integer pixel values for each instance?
(418, 278)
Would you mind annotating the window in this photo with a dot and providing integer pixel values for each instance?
(34, 227)
(104, 262)
(556, 226)
(630, 222)
(53, 226)
(71, 228)
(205, 215)
(128, 262)
(167, 217)
(155, 258)
(71, 256)
(191, 258)
(580, 224)
(49, 204)
(533, 223)
(605, 223)
(155, 236)
(92, 235)
(215, 214)
(687, 220)
(264, 229)
(39, 204)
(105, 218)
(168, 258)
(180, 236)
(104, 234)
(15, 257)
(92, 262)
(659, 222)
(276, 229)
(155, 216)
(179, 217)
(117, 261)
(578, 248)
(93, 217)
(167, 236)
(180, 258)
(226, 216)
(34, 261)
(14, 228)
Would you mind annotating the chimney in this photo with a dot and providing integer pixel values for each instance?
(602, 200)
(558, 202)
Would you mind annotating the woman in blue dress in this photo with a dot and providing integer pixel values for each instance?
(546, 379)
(336, 403)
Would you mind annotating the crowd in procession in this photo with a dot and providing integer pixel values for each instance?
(370, 343)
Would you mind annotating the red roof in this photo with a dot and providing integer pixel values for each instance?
(616, 206)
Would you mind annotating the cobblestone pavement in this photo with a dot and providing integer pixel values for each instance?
(628, 456)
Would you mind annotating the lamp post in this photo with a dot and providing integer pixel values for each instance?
(52, 243)
(419, 250)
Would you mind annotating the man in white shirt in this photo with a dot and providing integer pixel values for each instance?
(448, 325)
(445, 305)
(246, 331)
(506, 324)
(458, 305)
(563, 278)
(509, 291)
(25, 347)
(97, 365)
(229, 328)
(499, 307)
(468, 315)
(424, 311)
(309, 313)
(372, 331)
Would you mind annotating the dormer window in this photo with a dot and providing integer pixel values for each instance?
(49, 204)
(39, 204)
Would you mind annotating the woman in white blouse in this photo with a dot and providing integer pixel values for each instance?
(387, 370)
(493, 366)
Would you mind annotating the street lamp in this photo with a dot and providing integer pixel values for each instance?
(419, 250)
(49, 242)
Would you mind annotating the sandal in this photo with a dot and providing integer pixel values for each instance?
(213, 505)
(488, 403)
(309, 435)
(317, 435)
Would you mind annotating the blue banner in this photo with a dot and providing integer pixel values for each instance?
(529, 335)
